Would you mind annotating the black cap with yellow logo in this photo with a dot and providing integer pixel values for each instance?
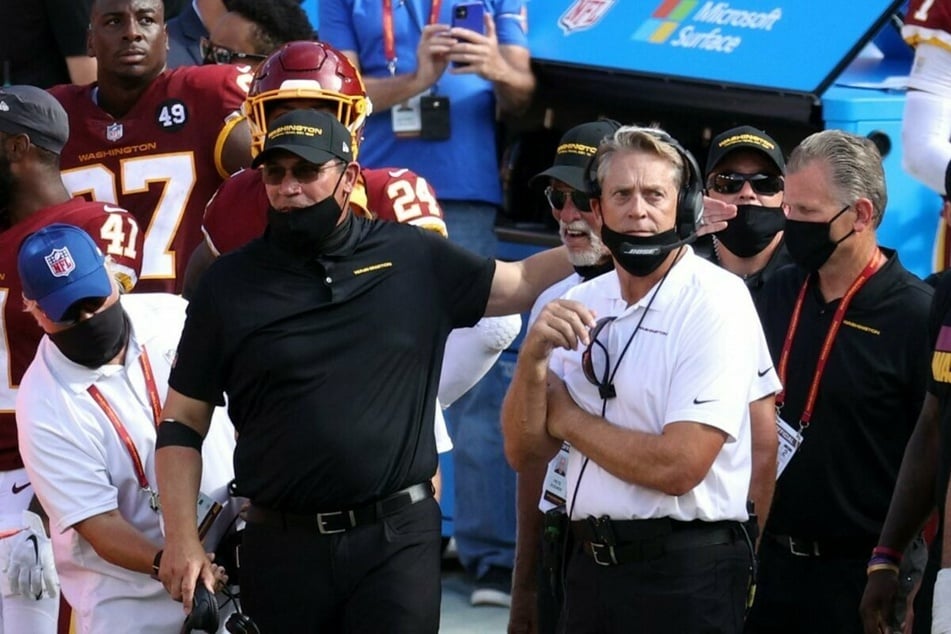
(746, 138)
(314, 136)
(574, 152)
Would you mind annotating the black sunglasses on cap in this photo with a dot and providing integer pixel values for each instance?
(557, 199)
(732, 183)
(212, 53)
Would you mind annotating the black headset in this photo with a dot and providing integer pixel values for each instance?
(690, 197)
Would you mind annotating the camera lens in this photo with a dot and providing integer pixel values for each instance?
(462, 12)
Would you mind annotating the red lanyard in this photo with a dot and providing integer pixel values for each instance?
(389, 32)
(110, 413)
(837, 320)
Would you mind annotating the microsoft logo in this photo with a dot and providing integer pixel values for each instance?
(664, 21)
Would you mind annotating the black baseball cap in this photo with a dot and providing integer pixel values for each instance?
(33, 111)
(312, 135)
(747, 138)
(574, 152)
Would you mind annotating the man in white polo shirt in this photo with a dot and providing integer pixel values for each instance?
(647, 372)
(87, 412)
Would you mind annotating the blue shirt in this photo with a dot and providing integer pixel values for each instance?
(465, 167)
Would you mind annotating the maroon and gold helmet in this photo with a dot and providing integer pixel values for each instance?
(308, 70)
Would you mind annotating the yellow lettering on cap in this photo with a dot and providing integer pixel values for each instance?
(295, 129)
(752, 139)
(576, 148)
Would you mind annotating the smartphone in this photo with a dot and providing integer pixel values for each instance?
(468, 15)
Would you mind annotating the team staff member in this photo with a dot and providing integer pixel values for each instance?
(349, 488)
(535, 601)
(157, 142)
(86, 419)
(303, 75)
(852, 414)
(659, 464)
(33, 130)
(745, 167)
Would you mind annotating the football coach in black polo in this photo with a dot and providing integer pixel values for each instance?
(327, 336)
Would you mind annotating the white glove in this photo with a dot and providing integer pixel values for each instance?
(470, 352)
(941, 607)
(29, 568)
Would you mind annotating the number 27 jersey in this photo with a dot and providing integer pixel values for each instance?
(160, 161)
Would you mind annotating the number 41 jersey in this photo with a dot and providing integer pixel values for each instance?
(161, 161)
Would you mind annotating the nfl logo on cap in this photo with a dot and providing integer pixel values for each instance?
(59, 265)
(60, 262)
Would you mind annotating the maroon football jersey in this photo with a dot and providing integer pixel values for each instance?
(117, 234)
(238, 212)
(928, 21)
(161, 161)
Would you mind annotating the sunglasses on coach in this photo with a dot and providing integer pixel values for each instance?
(212, 53)
(303, 172)
(732, 183)
(557, 199)
(596, 362)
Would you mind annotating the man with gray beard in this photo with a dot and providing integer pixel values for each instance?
(536, 595)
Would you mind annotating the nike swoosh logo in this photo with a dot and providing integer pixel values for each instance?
(709, 400)
(36, 555)
(112, 209)
(397, 173)
(17, 488)
(762, 373)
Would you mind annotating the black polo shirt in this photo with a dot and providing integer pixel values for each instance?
(757, 281)
(840, 481)
(331, 365)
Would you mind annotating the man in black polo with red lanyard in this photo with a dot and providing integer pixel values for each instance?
(848, 332)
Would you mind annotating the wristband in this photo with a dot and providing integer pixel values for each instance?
(877, 567)
(156, 564)
(172, 433)
(891, 554)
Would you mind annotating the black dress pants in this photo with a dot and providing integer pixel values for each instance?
(382, 577)
(697, 590)
(799, 594)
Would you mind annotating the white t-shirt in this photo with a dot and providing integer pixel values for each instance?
(79, 466)
(694, 358)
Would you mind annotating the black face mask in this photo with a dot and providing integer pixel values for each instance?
(97, 340)
(641, 255)
(304, 230)
(809, 243)
(752, 230)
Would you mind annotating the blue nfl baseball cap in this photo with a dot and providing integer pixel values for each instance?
(60, 265)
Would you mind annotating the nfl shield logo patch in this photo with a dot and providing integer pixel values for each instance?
(60, 262)
(114, 132)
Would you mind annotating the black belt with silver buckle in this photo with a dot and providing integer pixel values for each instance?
(643, 540)
(332, 522)
(829, 548)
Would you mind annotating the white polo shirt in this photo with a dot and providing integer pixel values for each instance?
(79, 466)
(694, 359)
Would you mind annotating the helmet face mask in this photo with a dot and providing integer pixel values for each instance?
(307, 71)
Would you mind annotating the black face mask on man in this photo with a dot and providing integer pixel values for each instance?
(809, 243)
(641, 255)
(305, 230)
(753, 228)
(95, 341)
